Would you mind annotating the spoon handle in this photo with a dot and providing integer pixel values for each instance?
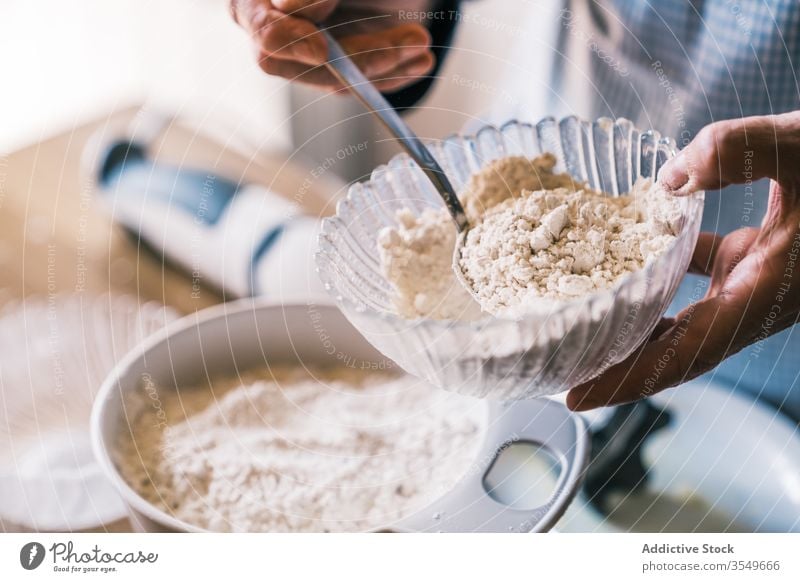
(346, 71)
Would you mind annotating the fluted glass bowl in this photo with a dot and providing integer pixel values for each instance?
(491, 357)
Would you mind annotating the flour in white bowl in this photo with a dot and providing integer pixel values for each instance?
(296, 450)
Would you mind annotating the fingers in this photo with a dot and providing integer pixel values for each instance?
(730, 251)
(742, 306)
(290, 45)
(377, 53)
(398, 76)
(700, 337)
(662, 327)
(407, 73)
(705, 252)
(280, 36)
(716, 255)
(391, 59)
(313, 10)
(735, 151)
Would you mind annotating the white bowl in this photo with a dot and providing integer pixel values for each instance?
(501, 358)
(233, 337)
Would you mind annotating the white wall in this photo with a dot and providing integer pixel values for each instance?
(68, 61)
(473, 81)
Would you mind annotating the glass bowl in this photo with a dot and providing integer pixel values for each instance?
(539, 354)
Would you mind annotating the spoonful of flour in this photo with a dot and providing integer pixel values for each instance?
(561, 244)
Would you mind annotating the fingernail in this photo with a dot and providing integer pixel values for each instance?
(674, 175)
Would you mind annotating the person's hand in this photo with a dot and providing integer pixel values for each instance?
(288, 43)
(755, 272)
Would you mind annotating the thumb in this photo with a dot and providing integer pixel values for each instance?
(735, 151)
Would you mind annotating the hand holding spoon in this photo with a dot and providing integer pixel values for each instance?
(346, 71)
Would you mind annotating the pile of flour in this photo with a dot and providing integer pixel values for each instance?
(535, 234)
(561, 244)
(417, 257)
(295, 450)
(509, 177)
(417, 254)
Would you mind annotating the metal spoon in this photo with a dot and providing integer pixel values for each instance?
(346, 71)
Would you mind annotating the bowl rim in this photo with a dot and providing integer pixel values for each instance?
(489, 320)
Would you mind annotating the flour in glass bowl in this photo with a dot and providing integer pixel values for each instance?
(562, 244)
(298, 450)
(417, 255)
(536, 236)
